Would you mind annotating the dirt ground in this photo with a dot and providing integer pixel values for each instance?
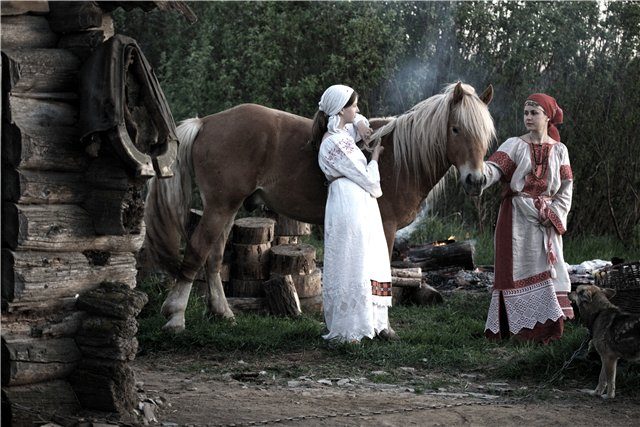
(199, 390)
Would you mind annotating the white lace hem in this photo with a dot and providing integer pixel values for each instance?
(525, 307)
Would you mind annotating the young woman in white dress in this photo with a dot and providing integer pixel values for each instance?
(356, 273)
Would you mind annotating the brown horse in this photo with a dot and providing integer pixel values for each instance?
(251, 152)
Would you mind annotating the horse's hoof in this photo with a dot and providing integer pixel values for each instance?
(174, 325)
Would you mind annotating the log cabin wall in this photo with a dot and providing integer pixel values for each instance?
(54, 250)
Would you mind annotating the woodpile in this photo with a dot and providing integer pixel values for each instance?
(107, 341)
(422, 272)
(250, 247)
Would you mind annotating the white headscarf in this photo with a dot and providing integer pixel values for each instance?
(333, 100)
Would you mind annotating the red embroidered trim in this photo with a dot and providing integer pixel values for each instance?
(565, 304)
(540, 277)
(533, 186)
(555, 220)
(504, 162)
(381, 289)
(566, 172)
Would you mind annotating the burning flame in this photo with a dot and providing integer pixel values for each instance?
(450, 239)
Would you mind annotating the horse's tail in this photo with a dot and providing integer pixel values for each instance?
(168, 202)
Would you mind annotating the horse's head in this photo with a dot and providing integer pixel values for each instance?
(469, 131)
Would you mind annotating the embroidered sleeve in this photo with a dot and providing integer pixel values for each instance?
(504, 163)
(348, 161)
(561, 204)
(566, 172)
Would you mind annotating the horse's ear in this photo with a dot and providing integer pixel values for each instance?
(487, 95)
(458, 93)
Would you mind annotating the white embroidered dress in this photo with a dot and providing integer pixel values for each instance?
(531, 274)
(355, 248)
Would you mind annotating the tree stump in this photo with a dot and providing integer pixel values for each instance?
(253, 230)
(244, 288)
(282, 297)
(250, 262)
(293, 259)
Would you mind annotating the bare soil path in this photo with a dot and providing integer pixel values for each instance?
(180, 389)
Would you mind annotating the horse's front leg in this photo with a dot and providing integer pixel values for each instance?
(175, 305)
(217, 304)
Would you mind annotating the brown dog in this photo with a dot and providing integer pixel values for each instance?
(614, 333)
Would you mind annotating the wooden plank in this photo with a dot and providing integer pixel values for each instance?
(66, 228)
(26, 31)
(31, 360)
(29, 276)
(37, 187)
(41, 70)
(55, 148)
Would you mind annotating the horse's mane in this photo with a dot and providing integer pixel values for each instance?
(420, 134)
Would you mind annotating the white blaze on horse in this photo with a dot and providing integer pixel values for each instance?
(251, 151)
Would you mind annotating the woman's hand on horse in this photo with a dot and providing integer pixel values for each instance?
(376, 152)
(364, 131)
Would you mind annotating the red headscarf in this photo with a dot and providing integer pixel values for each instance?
(552, 110)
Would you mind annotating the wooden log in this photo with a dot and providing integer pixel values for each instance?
(282, 297)
(31, 276)
(55, 148)
(40, 70)
(407, 272)
(290, 227)
(311, 304)
(293, 259)
(35, 402)
(308, 285)
(55, 324)
(248, 305)
(71, 16)
(101, 331)
(31, 360)
(250, 262)
(244, 288)
(66, 228)
(113, 299)
(26, 32)
(116, 212)
(430, 257)
(82, 44)
(286, 240)
(427, 295)
(33, 112)
(253, 230)
(19, 7)
(423, 295)
(406, 282)
(105, 385)
(37, 187)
